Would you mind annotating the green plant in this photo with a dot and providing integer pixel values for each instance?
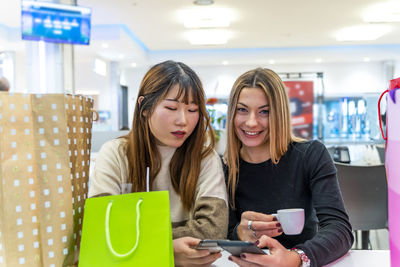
(216, 123)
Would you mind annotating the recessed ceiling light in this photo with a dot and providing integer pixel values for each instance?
(363, 32)
(271, 61)
(208, 37)
(367, 59)
(203, 2)
(104, 45)
(206, 23)
(318, 60)
(133, 65)
(121, 56)
(225, 62)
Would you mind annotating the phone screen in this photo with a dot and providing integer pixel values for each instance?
(238, 247)
(211, 245)
(234, 247)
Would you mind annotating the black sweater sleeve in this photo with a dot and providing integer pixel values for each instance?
(234, 221)
(334, 237)
(234, 215)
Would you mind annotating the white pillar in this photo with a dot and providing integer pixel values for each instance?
(388, 71)
(114, 87)
(69, 68)
(50, 66)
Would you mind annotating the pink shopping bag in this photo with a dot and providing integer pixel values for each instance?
(392, 166)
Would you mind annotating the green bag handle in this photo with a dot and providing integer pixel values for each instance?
(108, 239)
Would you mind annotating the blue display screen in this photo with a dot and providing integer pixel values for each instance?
(57, 23)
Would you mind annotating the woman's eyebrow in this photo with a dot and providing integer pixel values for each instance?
(172, 99)
(177, 100)
(263, 106)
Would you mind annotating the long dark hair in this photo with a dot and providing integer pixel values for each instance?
(142, 150)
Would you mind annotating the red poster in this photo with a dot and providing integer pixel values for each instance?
(301, 95)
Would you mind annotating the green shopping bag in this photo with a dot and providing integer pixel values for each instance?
(127, 230)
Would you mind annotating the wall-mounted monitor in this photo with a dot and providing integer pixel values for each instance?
(53, 22)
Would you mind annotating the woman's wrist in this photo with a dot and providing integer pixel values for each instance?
(304, 260)
(295, 259)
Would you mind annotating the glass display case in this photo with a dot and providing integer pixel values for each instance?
(348, 119)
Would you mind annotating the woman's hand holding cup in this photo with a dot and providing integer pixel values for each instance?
(292, 220)
(254, 224)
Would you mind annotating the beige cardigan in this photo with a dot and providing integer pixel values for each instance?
(208, 218)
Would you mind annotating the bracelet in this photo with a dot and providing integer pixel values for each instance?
(305, 261)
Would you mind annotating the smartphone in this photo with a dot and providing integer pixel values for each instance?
(233, 247)
(238, 247)
(211, 245)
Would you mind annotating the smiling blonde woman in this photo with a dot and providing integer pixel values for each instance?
(268, 168)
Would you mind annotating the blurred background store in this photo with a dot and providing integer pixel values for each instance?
(335, 57)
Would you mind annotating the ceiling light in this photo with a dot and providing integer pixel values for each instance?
(133, 65)
(383, 12)
(271, 61)
(104, 45)
(206, 17)
(367, 59)
(121, 56)
(203, 2)
(363, 32)
(225, 62)
(208, 37)
(318, 60)
(206, 23)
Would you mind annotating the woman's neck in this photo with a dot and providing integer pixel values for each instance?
(255, 154)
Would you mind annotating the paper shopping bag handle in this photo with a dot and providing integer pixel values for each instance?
(379, 114)
(96, 113)
(108, 239)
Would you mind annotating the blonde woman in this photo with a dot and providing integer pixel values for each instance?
(268, 169)
(171, 134)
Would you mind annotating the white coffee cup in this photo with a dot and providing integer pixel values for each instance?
(291, 220)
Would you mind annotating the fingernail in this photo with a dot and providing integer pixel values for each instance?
(278, 225)
(280, 230)
(257, 242)
(242, 256)
(274, 219)
(230, 258)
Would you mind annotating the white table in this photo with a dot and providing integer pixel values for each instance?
(354, 258)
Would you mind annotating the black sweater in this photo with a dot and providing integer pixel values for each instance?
(305, 177)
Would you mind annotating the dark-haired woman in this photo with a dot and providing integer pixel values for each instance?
(171, 134)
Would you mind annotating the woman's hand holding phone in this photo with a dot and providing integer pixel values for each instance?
(278, 256)
(186, 255)
(253, 225)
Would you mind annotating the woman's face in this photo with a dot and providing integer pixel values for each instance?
(172, 121)
(251, 120)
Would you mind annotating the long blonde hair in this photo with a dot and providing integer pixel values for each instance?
(280, 129)
(142, 150)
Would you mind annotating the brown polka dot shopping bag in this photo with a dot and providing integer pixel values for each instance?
(44, 165)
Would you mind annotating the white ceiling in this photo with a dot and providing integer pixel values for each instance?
(285, 31)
